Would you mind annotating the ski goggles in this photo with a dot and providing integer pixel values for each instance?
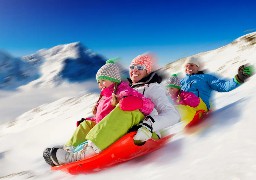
(138, 67)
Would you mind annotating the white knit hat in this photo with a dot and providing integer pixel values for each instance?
(110, 71)
(193, 60)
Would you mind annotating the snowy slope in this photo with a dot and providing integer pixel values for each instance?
(223, 149)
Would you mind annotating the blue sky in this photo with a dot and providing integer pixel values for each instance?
(171, 29)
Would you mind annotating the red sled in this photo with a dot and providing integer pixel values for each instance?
(199, 117)
(198, 123)
(122, 150)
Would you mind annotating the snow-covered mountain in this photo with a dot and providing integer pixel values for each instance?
(50, 67)
(223, 149)
(15, 72)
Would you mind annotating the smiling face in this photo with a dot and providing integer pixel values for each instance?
(191, 68)
(104, 84)
(173, 91)
(136, 73)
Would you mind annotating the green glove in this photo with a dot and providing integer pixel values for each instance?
(244, 72)
(249, 71)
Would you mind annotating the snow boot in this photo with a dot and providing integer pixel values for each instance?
(47, 157)
(60, 156)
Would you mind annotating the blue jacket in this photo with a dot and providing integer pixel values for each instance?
(202, 85)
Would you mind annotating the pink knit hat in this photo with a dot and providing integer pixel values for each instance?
(146, 59)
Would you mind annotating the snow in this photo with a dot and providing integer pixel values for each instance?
(224, 148)
(68, 63)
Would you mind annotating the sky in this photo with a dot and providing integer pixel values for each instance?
(171, 29)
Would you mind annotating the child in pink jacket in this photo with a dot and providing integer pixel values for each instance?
(178, 96)
(128, 99)
(187, 103)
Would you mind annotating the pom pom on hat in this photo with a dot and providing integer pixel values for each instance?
(146, 59)
(110, 71)
(173, 82)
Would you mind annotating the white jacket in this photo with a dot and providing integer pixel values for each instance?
(164, 112)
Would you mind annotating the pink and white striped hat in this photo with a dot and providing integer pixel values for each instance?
(146, 59)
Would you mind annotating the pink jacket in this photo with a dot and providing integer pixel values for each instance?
(187, 98)
(123, 91)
